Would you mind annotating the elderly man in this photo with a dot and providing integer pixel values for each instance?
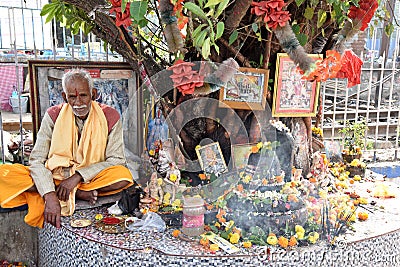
(79, 153)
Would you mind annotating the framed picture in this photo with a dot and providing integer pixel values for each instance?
(211, 159)
(247, 90)
(116, 84)
(240, 155)
(293, 96)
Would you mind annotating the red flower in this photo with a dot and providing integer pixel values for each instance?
(115, 3)
(364, 12)
(351, 68)
(121, 18)
(184, 77)
(277, 18)
(272, 12)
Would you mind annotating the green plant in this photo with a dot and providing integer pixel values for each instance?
(354, 136)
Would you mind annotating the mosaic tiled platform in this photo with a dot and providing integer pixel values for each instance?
(375, 242)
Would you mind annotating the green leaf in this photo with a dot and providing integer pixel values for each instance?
(303, 38)
(212, 3)
(221, 8)
(389, 29)
(296, 28)
(309, 13)
(216, 47)
(224, 235)
(220, 30)
(197, 30)
(138, 10)
(258, 34)
(195, 9)
(214, 228)
(123, 5)
(299, 2)
(321, 18)
(47, 8)
(50, 15)
(205, 49)
(142, 23)
(200, 39)
(233, 37)
(254, 27)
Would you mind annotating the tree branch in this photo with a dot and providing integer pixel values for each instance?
(238, 12)
(236, 53)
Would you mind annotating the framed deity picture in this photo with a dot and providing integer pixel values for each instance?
(116, 84)
(211, 159)
(240, 155)
(293, 96)
(246, 90)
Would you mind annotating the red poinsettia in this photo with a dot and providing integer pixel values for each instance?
(272, 12)
(121, 18)
(351, 68)
(184, 77)
(364, 13)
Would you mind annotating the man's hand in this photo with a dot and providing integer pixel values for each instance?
(52, 209)
(67, 185)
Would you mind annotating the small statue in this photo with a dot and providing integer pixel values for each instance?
(172, 179)
(163, 161)
(154, 190)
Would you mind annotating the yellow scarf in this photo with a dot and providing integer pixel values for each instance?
(67, 150)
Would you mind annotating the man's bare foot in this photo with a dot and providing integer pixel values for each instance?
(90, 196)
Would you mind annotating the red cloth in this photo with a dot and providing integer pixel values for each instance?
(8, 79)
(351, 68)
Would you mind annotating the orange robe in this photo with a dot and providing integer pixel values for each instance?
(15, 180)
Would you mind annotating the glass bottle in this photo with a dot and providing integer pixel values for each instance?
(193, 216)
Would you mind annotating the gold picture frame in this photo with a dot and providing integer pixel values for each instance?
(247, 90)
(117, 85)
(293, 96)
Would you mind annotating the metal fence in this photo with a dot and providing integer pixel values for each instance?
(24, 35)
(376, 101)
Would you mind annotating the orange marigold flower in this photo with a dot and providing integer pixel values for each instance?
(209, 206)
(264, 181)
(283, 242)
(292, 241)
(254, 149)
(279, 178)
(202, 176)
(204, 241)
(176, 233)
(313, 180)
(247, 244)
(362, 216)
(240, 188)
